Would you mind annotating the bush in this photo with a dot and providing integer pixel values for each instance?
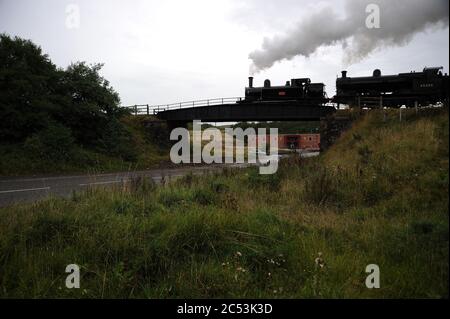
(118, 141)
(53, 143)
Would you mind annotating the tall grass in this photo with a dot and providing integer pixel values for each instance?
(380, 195)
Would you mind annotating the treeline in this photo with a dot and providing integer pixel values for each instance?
(50, 111)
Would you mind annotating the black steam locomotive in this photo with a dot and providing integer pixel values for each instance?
(296, 90)
(409, 89)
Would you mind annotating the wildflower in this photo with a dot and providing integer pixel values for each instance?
(239, 254)
(240, 269)
(319, 261)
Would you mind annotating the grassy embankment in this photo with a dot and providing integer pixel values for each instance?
(143, 151)
(380, 195)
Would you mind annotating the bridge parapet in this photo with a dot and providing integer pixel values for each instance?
(146, 109)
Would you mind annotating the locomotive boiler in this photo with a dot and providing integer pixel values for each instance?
(415, 88)
(296, 90)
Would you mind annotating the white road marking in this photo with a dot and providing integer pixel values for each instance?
(125, 180)
(132, 173)
(24, 190)
(166, 176)
(103, 183)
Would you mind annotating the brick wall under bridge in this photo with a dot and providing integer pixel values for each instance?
(306, 142)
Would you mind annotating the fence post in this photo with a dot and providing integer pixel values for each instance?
(416, 105)
(381, 101)
(135, 109)
(148, 110)
(400, 114)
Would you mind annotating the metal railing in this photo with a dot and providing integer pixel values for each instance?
(146, 109)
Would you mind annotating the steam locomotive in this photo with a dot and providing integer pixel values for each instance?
(409, 89)
(415, 88)
(296, 90)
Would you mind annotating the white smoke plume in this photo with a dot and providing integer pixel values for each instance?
(400, 20)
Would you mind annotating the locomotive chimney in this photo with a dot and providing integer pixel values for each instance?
(344, 74)
(250, 81)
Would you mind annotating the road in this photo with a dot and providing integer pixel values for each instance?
(29, 189)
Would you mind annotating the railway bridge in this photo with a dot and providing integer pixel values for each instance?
(235, 110)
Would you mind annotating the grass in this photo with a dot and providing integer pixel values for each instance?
(378, 196)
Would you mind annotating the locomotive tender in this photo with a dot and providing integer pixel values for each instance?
(409, 89)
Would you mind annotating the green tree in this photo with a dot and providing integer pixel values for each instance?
(27, 81)
(93, 103)
(35, 95)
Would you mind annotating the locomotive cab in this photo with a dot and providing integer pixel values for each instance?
(294, 90)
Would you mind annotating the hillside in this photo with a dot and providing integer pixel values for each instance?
(378, 196)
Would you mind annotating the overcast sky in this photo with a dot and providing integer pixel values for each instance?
(167, 51)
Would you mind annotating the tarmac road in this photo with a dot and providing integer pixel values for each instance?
(29, 189)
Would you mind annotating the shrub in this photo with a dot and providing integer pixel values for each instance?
(118, 141)
(53, 143)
